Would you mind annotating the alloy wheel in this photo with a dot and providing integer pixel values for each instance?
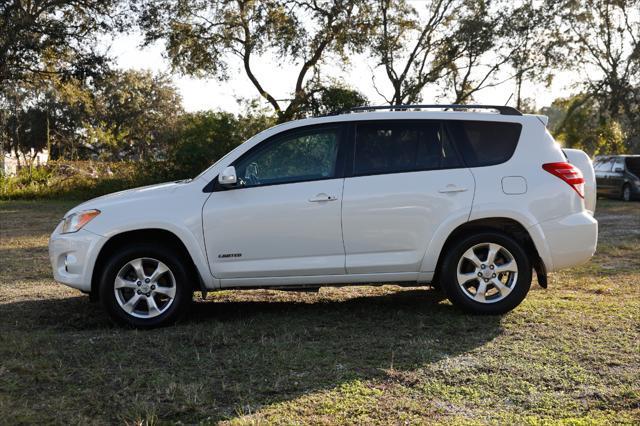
(487, 273)
(145, 288)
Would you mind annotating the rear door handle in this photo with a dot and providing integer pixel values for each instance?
(451, 188)
(322, 197)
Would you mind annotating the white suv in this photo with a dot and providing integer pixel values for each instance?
(471, 199)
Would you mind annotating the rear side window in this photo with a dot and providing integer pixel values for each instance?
(396, 147)
(485, 143)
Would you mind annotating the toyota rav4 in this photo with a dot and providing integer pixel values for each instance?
(470, 199)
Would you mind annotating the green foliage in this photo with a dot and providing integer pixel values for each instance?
(36, 32)
(79, 180)
(204, 137)
(197, 141)
(120, 115)
(135, 112)
(579, 122)
(332, 99)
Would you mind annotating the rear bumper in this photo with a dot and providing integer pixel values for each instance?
(73, 257)
(569, 241)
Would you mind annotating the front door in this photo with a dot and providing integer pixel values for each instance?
(283, 217)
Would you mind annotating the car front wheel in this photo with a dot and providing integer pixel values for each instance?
(487, 273)
(145, 286)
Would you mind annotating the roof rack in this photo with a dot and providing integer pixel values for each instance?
(502, 109)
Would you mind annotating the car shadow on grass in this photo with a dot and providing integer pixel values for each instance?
(233, 355)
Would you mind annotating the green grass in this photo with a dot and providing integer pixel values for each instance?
(568, 355)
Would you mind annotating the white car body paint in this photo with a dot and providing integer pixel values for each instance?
(382, 228)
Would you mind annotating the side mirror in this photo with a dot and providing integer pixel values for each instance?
(228, 176)
(618, 170)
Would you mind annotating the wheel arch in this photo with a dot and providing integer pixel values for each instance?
(506, 225)
(154, 235)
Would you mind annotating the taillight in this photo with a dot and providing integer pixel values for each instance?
(568, 173)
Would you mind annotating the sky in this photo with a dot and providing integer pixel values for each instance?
(278, 79)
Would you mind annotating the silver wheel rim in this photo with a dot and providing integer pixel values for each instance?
(145, 288)
(487, 273)
(626, 193)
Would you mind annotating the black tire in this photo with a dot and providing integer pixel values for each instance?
(457, 296)
(176, 264)
(626, 192)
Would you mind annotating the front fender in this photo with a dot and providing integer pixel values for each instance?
(178, 211)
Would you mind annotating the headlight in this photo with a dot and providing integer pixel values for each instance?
(74, 222)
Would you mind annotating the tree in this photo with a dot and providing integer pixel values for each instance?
(43, 44)
(134, 113)
(535, 44)
(605, 36)
(409, 47)
(204, 137)
(332, 99)
(120, 115)
(576, 122)
(475, 51)
(33, 32)
(201, 38)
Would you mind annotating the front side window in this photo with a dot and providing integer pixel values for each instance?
(297, 156)
(396, 147)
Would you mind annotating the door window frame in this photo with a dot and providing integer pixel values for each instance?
(215, 186)
(350, 159)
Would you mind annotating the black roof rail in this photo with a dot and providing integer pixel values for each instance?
(502, 109)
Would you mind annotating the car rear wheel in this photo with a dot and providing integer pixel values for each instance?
(487, 273)
(626, 192)
(145, 286)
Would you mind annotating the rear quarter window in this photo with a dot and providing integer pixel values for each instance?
(485, 143)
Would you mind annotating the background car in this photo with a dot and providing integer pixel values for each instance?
(618, 176)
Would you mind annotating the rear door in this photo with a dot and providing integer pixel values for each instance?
(405, 179)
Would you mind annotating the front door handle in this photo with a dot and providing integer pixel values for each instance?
(451, 188)
(322, 197)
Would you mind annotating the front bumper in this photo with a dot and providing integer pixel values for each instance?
(73, 257)
(570, 240)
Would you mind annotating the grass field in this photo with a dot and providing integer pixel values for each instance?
(362, 355)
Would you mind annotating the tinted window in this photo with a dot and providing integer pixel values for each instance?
(633, 165)
(295, 157)
(485, 143)
(394, 147)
